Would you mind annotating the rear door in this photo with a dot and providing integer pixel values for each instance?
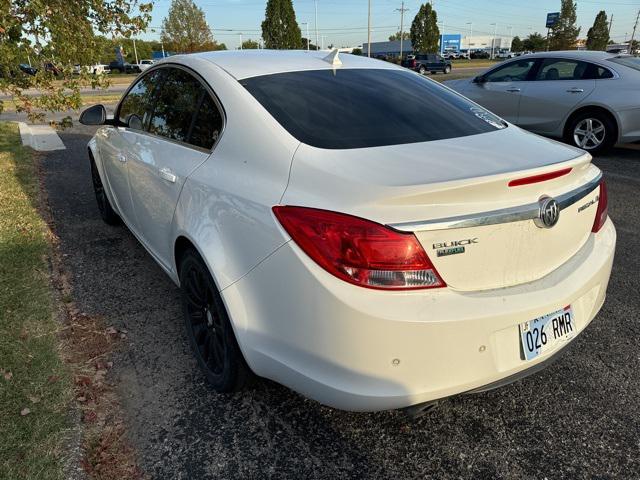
(503, 88)
(559, 85)
(182, 131)
(119, 144)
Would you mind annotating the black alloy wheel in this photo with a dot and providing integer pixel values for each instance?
(209, 330)
(107, 212)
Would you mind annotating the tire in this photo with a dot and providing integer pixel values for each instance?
(209, 330)
(422, 70)
(107, 212)
(447, 69)
(592, 131)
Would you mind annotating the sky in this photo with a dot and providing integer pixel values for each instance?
(344, 22)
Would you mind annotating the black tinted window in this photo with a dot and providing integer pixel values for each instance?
(561, 69)
(207, 125)
(135, 109)
(356, 108)
(596, 72)
(175, 105)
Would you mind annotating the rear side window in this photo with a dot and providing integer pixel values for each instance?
(358, 108)
(561, 69)
(135, 109)
(596, 72)
(207, 125)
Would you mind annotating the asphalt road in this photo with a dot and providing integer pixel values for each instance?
(580, 418)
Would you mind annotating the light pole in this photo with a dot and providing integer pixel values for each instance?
(240, 40)
(493, 40)
(315, 4)
(135, 52)
(322, 36)
(470, 38)
(307, 25)
(369, 31)
(401, 10)
(510, 27)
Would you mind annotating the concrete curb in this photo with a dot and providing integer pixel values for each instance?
(42, 138)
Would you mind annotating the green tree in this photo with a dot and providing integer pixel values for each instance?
(598, 35)
(356, 51)
(535, 42)
(185, 29)
(517, 45)
(64, 34)
(424, 33)
(250, 45)
(564, 34)
(280, 29)
(396, 36)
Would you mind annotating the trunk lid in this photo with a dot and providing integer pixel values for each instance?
(444, 190)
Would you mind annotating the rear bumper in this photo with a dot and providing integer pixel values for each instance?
(360, 349)
(629, 121)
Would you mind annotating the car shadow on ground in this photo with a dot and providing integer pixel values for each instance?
(560, 422)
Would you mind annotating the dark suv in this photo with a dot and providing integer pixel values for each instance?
(428, 62)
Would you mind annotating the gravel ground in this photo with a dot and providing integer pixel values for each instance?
(579, 418)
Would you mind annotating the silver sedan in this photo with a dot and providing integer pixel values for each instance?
(589, 99)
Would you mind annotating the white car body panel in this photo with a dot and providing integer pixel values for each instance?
(336, 342)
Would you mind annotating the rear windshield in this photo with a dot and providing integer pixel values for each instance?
(358, 108)
(631, 62)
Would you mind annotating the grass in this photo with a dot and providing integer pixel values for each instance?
(474, 63)
(35, 387)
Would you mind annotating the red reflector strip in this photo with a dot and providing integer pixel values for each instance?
(543, 177)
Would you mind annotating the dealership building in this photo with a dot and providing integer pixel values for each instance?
(449, 42)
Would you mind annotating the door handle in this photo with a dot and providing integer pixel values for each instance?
(167, 175)
(122, 158)
(575, 90)
(513, 89)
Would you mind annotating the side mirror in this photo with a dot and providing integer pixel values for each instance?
(95, 115)
(480, 79)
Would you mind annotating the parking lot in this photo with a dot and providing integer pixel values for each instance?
(579, 418)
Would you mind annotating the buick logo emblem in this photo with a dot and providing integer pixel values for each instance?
(548, 214)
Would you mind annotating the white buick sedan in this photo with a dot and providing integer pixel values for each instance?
(351, 229)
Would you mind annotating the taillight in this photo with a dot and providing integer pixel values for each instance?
(603, 208)
(359, 251)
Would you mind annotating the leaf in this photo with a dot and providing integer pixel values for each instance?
(25, 411)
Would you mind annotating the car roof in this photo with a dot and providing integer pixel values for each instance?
(252, 63)
(592, 55)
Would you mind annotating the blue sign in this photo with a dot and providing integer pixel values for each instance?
(450, 42)
(552, 19)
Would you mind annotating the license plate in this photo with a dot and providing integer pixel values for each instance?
(544, 333)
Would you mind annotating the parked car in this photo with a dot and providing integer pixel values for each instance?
(96, 69)
(504, 54)
(588, 98)
(429, 62)
(480, 54)
(329, 253)
(144, 64)
(125, 67)
(28, 69)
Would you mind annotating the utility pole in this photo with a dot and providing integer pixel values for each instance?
(306, 24)
(322, 37)
(470, 38)
(135, 52)
(633, 34)
(610, 23)
(369, 32)
(401, 10)
(315, 3)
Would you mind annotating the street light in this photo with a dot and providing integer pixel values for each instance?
(470, 38)
(307, 25)
(493, 41)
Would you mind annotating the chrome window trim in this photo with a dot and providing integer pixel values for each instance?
(505, 215)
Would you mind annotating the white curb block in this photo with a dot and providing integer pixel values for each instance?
(42, 138)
